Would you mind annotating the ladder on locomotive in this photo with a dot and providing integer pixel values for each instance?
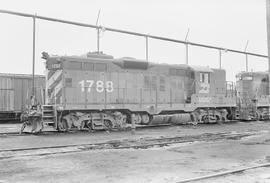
(48, 115)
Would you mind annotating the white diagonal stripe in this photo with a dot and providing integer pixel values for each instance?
(58, 88)
(54, 77)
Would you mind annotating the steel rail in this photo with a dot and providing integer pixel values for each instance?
(129, 32)
(224, 173)
(165, 141)
(73, 131)
(62, 149)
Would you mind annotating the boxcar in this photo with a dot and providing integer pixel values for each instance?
(15, 92)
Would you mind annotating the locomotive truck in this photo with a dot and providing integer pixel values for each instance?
(98, 91)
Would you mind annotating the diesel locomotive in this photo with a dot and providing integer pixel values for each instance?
(253, 98)
(98, 91)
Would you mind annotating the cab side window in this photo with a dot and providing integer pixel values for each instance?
(204, 77)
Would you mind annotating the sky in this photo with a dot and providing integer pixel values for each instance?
(222, 23)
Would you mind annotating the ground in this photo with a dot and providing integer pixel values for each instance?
(167, 154)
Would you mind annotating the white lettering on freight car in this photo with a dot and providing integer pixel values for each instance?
(99, 85)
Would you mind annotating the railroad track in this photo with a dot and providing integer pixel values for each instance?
(225, 173)
(139, 127)
(119, 144)
(72, 131)
(26, 133)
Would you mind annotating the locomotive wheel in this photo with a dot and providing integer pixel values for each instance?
(145, 119)
(139, 118)
(205, 119)
(62, 126)
(83, 125)
(192, 117)
(124, 119)
(218, 120)
(89, 125)
(108, 124)
(257, 116)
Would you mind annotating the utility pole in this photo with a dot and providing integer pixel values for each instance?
(219, 59)
(98, 31)
(246, 56)
(268, 36)
(34, 55)
(187, 46)
(146, 48)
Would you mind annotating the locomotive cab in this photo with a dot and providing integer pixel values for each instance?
(202, 78)
(209, 84)
(211, 98)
